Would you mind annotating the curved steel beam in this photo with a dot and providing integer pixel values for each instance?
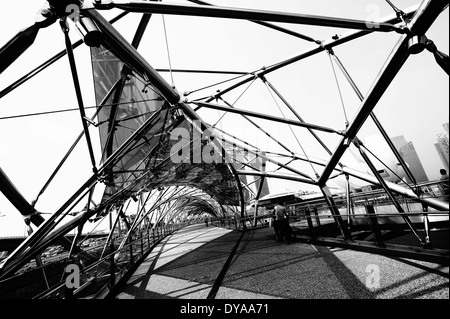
(267, 117)
(245, 14)
(277, 175)
(325, 45)
(47, 63)
(117, 44)
(421, 22)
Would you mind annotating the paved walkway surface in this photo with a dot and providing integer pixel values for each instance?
(199, 262)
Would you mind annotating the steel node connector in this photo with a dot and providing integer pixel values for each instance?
(90, 33)
(417, 44)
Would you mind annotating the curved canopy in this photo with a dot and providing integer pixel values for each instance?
(170, 151)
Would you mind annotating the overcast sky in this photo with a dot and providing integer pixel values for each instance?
(416, 104)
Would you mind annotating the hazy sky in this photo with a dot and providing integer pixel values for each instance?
(416, 105)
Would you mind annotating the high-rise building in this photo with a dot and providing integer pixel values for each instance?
(446, 127)
(410, 156)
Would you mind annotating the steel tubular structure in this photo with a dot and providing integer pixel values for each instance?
(230, 13)
(141, 171)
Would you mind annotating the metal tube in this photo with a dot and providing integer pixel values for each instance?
(111, 231)
(296, 114)
(398, 189)
(258, 194)
(37, 237)
(38, 258)
(49, 62)
(261, 129)
(263, 157)
(310, 224)
(277, 175)
(426, 223)
(105, 99)
(266, 117)
(118, 45)
(349, 203)
(140, 30)
(75, 240)
(118, 93)
(335, 212)
(49, 224)
(374, 226)
(269, 25)
(426, 14)
(76, 84)
(112, 124)
(432, 202)
(392, 67)
(313, 51)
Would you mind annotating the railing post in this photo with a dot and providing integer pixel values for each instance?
(427, 229)
(131, 249)
(373, 221)
(310, 224)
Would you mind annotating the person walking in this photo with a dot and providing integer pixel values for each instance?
(284, 229)
(274, 223)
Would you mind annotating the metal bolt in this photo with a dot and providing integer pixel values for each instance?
(46, 12)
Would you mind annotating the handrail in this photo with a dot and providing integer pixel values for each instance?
(130, 254)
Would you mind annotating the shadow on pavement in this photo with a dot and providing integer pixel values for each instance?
(260, 265)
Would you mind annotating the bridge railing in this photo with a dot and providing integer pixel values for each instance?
(75, 277)
(370, 221)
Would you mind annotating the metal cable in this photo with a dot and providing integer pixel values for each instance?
(168, 51)
(330, 53)
(220, 119)
(290, 127)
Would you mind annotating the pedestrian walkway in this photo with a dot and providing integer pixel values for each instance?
(199, 262)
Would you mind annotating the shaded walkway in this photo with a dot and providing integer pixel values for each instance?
(190, 265)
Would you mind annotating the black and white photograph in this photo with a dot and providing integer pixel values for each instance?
(225, 158)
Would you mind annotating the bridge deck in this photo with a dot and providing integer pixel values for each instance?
(200, 262)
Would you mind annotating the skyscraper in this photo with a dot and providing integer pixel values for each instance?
(410, 156)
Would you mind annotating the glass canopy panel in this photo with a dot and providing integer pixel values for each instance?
(125, 102)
